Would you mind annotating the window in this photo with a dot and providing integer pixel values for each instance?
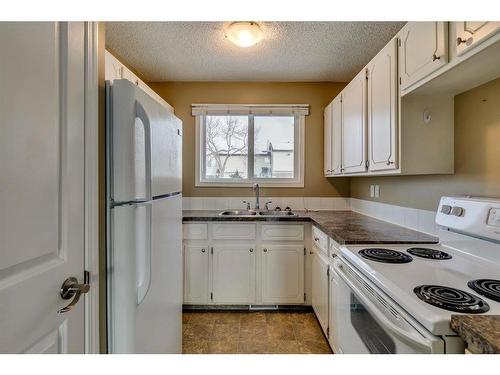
(240, 145)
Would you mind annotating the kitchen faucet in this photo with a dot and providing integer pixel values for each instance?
(256, 188)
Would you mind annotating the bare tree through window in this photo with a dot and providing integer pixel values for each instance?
(226, 137)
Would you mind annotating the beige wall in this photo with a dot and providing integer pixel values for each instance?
(182, 94)
(477, 158)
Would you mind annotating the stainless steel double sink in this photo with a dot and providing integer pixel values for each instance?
(256, 213)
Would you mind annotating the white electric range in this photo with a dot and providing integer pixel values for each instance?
(400, 298)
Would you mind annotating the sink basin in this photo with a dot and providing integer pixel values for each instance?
(277, 213)
(238, 213)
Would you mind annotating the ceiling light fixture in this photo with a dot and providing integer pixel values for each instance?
(244, 33)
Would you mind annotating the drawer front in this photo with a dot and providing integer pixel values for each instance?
(320, 240)
(294, 232)
(195, 231)
(233, 231)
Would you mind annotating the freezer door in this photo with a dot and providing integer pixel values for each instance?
(145, 145)
(166, 148)
(145, 277)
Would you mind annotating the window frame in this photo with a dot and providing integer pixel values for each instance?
(299, 151)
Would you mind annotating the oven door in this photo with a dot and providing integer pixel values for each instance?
(369, 322)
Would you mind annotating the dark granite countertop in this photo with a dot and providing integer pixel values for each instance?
(481, 333)
(345, 227)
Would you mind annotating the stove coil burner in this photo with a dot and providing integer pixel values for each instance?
(385, 255)
(424, 252)
(488, 288)
(451, 299)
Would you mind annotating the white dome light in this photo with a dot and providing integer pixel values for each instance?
(244, 34)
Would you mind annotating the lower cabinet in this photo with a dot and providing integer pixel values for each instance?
(233, 274)
(282, 274)
(196, 274)
(332, 312)
(319, 285)
(244, 264)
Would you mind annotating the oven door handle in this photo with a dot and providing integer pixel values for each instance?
(426, 343)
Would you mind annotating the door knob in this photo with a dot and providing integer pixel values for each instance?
(71, 289)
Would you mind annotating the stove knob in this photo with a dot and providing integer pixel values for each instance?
(445, 209)
(457, 211)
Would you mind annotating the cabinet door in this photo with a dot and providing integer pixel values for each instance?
(233, 274)
(332, 314)
(354, 125)
(336, 142)
(113, 69)
(196, 274)
(382, 109)
(282, 274)
(320, 288)
(471, 33)
(423, 50)
(328, 140)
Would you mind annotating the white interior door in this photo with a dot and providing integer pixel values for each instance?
(383, 109)
(354, 125)
(42, 185)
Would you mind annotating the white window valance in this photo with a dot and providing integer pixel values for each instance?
(249, 109)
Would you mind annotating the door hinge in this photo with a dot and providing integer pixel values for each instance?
(304, 251)
(328, 271)
(399, 42)
(86, 277)
(367, 163)
(400, 80)
(211, 296)
(211, 250)
(366, 73)
(304, 297)
(328, 332)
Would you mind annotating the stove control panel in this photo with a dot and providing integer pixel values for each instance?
(479, 217)
(494, 217)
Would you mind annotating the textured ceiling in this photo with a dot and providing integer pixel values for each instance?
(290, 51)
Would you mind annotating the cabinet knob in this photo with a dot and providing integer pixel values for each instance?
(435, 57)
(202, 250)
(265, 250)
(389, 162)
(316, 239)
(467, 41)
(251, 250)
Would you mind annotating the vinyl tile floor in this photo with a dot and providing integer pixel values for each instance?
(252, 333)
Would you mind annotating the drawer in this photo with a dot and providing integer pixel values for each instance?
(292, 232)
(320, 239)
(195, 231)
(233, 231)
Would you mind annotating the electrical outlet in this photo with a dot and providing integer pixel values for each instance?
(372, 191)
(377, 191)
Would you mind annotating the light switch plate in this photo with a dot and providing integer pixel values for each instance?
(377, 191)
(372, 191)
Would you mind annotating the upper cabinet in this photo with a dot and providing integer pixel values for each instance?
(383, 109)
(333, 137)
(469, 34)
(423, 50)
(354, 125)
(397, 115)
(114, 69)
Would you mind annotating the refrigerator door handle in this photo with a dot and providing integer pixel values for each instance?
(141, 114)
(143, 250)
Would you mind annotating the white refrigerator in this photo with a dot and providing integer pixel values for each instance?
(144, 222)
